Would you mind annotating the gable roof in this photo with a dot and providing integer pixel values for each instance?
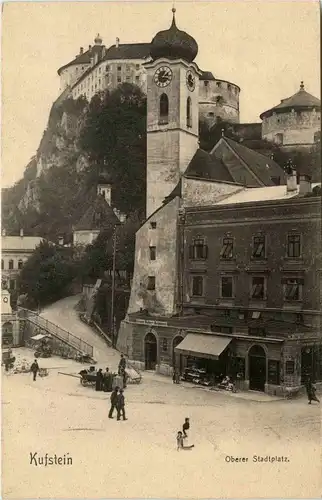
(260, 166)
(205, 166)
(98, 216)
(128, 51)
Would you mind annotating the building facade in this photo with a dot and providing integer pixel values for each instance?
(15, 251)
(295, 123)
(100, 68)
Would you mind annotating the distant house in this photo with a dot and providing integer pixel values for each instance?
(15, 251)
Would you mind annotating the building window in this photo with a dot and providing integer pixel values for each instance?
(152, 253)
(137, 78)
(229, 86)
(165, 345)
(289, 367)
(293, 288)
(10, 264)
(198, 250)
(258, 287)
(256, 332)
(128, 67)
(226, 287)
(164, 109)
(2, 264)
(119, 79)
(119, 68)
(206, 83)
(197, 286)
(107, 68)
(128, 78)
(211, 114)
(227, 249)
(20, 264)
(258, 247)
(279, 139)
(219, 100)
(218, 84)
(137, 66)
(151, 282)
(153, 225)
(293, 246)
(189, 116)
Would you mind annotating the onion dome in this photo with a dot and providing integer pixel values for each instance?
(302, 100)
(174, 44)
(98, 40)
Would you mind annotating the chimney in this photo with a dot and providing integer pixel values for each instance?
(3, 232)
(92, 61)
(291, 181)
(61, 240)
(81, 50)
(90, 48)
(305, 184)
(117, 42)
(21, 233)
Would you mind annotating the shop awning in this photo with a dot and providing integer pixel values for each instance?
(203, 346)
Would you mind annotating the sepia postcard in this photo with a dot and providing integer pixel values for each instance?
(161, 264)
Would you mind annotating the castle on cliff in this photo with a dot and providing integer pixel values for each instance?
(295, 123)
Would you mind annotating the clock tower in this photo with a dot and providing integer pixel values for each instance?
(172, 111)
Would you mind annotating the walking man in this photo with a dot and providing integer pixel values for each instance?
(120, 405)
(34, 369)
(186, 427)
(311, 390)
(122, 364)
(114, 397)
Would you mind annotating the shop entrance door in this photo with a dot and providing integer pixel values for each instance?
(176, 357)
(257, 368)
(150, 351)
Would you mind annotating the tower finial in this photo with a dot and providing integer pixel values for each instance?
(302, 85)
(173, 13)
(222, 132)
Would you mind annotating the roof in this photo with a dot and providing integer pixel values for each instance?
(260, 166)
(301, 99)
(205, 166)
(123, 51)
(84, 58)
(98, 216)
(20, 243)
(267, 193)
(206, 75)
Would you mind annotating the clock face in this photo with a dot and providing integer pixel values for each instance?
(163, 76)
(190, 81)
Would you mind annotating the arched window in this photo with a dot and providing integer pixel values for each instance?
(189, 116)
(20, 264)
(164, 109)
(10, 264)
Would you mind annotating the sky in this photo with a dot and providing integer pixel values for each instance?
(266, 47)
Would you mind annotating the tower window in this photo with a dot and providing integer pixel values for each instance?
(206, 83)
(189, 117)
(152, 253)
(151, 283)
(164, 109)
(10, 264)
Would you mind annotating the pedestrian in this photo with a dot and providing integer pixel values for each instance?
(34, 369)
(122, 364)
(108, 380)
(180, 445)
(174, 377)
(99, 380)
(311, 391)
(186, 427)
(114, 397)
(124, 377)
(120, 405)
(177, 374)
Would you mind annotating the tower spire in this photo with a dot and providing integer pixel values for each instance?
(173, 13)
(302, 85)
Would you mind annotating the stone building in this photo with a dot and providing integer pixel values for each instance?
(102, 67)
(98, 216)
(226, 272)
(295, 123)
(15, 251)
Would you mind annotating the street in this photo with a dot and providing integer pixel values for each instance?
(138, 458)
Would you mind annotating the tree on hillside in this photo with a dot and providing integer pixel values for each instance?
(114, 138)
(46, 274)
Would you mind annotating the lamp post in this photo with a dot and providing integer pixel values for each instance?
(121, 220)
